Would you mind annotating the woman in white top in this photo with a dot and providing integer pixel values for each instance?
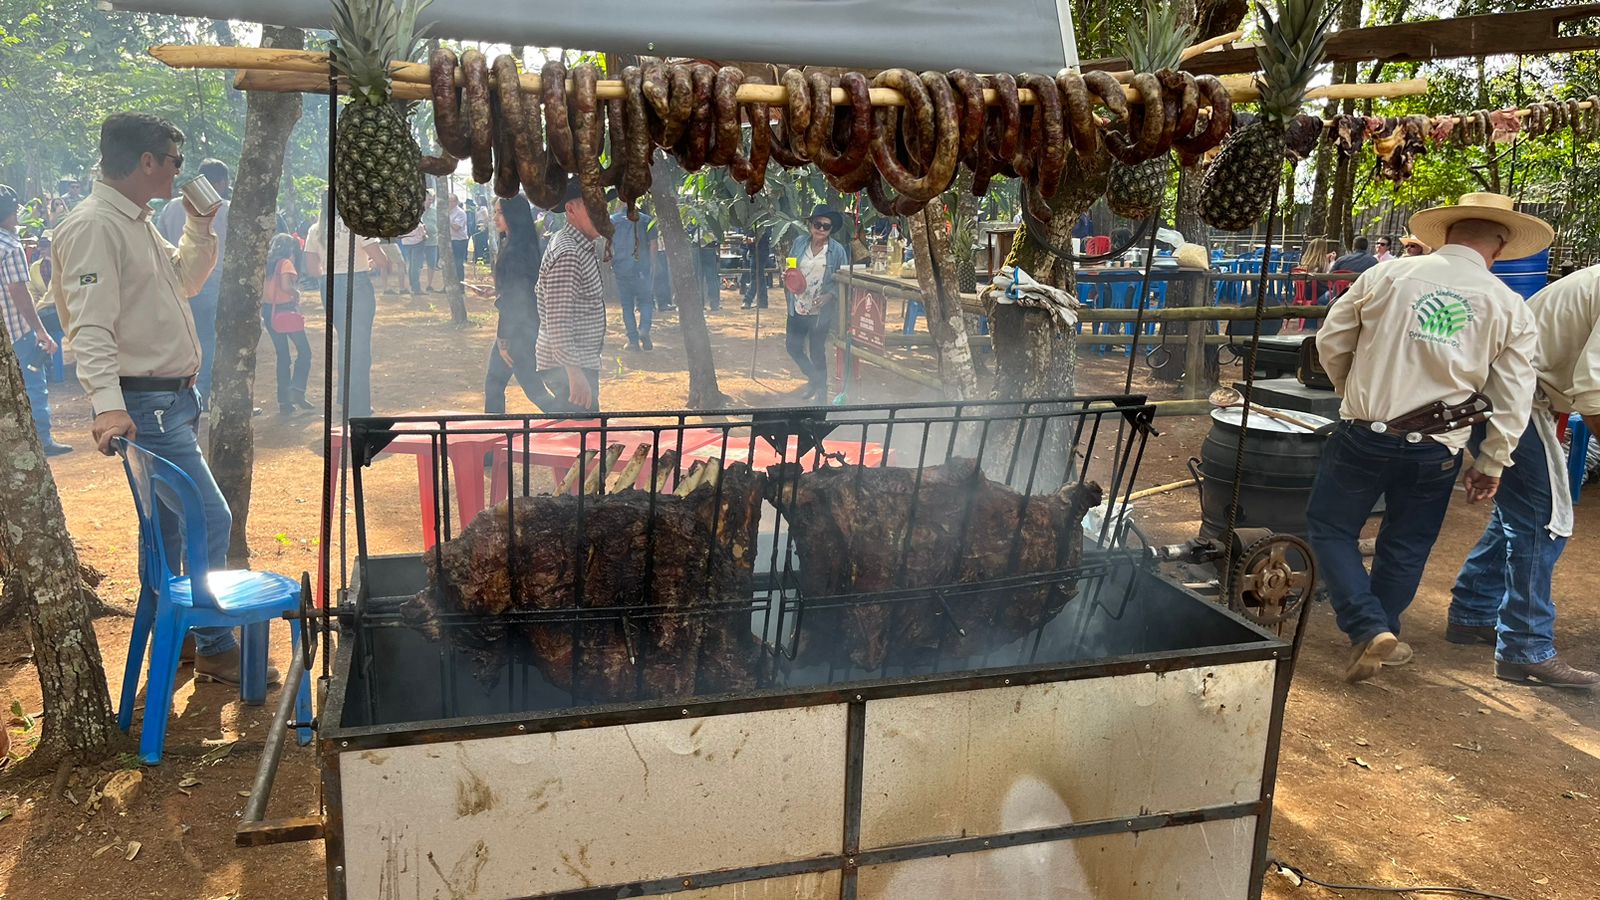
(817, 254)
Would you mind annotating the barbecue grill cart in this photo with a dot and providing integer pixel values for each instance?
(935, 674)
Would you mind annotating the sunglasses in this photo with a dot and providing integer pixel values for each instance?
(177, 159)
(824, 225)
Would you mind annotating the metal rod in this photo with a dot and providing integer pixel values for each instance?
(255, 808)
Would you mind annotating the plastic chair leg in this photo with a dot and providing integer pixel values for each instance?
(168, 640)
(302, 701)
(139, 641)
(253, 663)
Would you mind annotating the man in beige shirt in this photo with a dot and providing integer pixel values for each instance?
(1503, 595)
(1407, 334)
(123, 291)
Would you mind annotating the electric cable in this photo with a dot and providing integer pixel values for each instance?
(1388, 889)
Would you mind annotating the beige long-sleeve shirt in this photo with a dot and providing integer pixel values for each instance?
(1427, 328)
(122, 291)
(1567, 314)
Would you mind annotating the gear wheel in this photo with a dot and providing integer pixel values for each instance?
(1271, 578)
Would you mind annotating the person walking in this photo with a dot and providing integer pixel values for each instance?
(411, 249)
(283, 322)
(516, 278)
(458, 237)
(351, 278)
(125, 290)
(633, 247)
(1408, 335)
(572, 311)
(204, 302)
(39, 278)
(1503, 597)
(809, 288)
(24, 329)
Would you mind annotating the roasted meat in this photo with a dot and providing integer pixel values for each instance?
(862, 530)
(678, 556)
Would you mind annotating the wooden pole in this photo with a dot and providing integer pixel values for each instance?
(412, 77)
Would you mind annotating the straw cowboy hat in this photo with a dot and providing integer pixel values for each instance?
(1529, 235)
(1411, 240)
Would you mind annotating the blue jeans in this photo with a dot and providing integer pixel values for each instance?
(415, 258)
(1416, 481)
(363, 310)
(633, 290)
(168, 425)
(204, 307)
(1505, 581)
(35, 367)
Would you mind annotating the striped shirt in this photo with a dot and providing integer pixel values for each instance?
(572, 309)
(13, 270)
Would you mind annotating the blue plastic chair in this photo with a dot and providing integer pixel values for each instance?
(170, 605)
(1578, 430)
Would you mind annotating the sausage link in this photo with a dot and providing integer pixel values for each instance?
(820, 130)
(1145, 128)
(788, 142)
(587, 136)
(760, 148)
(680, 105)
(1188, 105)
(969, 90)
(1048, 132)
(635, 137)
(1108, 91)
(919, 116)
(507, 179)
(480, 118)
(947, 149)
(857, 126)
(557, 125)
(697, 133)
(522, 127)
(653, 83)
(854, 180)
(447, 122)
(1214, 94)
(1010, 107)
(612, 170)
(443, 164)
(725, 96)
(1078, 112)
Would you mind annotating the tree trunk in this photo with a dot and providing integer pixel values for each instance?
(252, 222)
(704, 393)
(80, 724)
(942, 301)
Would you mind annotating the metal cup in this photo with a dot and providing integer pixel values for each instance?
(201, 195)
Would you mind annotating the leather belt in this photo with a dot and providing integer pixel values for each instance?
(167, 385)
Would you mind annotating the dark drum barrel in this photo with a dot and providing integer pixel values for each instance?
(1280, 462)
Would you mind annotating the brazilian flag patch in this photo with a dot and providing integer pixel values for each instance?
(91, 278)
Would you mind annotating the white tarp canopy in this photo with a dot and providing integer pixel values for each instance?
(988, 36)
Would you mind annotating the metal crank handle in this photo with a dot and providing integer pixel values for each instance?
(254, 829)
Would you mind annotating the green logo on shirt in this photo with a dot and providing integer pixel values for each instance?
(89, 279)
(1441, 316)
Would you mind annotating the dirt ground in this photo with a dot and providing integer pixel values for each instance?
(1434, 774)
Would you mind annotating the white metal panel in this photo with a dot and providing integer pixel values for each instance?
(817, 886)
(1209, 861)
(1035, 756)
(529, 814)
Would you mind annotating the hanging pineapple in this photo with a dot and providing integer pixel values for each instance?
(963, 231)
(1137, 191)
(378, 187)
(1240, 183)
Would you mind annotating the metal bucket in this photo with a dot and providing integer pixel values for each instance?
(1280, 464)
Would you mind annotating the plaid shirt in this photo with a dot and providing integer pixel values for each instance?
(572, 309)
(13, 270)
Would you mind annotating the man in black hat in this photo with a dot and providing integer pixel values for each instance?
(572, 311)
(809, 287)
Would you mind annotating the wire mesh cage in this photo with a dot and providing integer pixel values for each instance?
(650, 556)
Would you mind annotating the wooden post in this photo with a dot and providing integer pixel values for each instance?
(1194, 363)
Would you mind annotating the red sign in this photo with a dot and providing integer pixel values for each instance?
(867, 318)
